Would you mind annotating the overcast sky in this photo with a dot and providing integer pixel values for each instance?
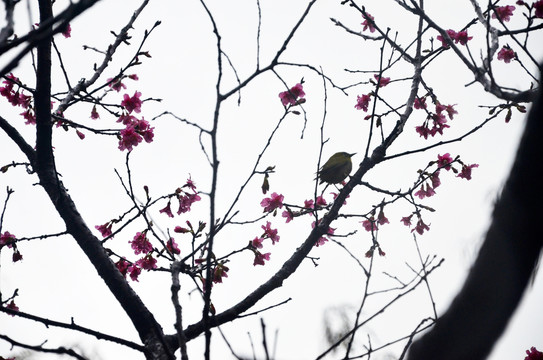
(182, 72)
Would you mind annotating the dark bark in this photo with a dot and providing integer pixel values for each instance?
(505, 263)
(148, 329)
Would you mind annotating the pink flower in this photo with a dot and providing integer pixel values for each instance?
(172, 247)
(186, 201)
(291, 96)
(309, 204)
(421, 227)
(12, 306)
(219, 273)
(7, 239)
(126, 119)
(141, 244)
(534, 354)
(16, 256)
(362, 102)
(448, 108)
(384, 80)
(321, 201)
(272, 203)
(444, 161)
(462, 37)
(425, 193)
(538, 6)
(259, 258)
(423, 130)
(435, 179)
(190, 184)
(134, 133)
(439, 123)
(181, 230)
(421, 193)
(67, 32)
(420, 103)
(122, 265)
(134, 271)
(458, 37)
(144, 129)
(132, 103)
(452, 34)
(465, 173)
(25, 100)
(506, 54)
(270, 233)
(7, 91)
(80, 134)
(288, 216)
(322, 240)
(368, 23)
(116, 84)
(147, 262)
(257, 242)
(94, 113)
(369, 224)
(129, 138)
(105, 229)
(167, 210)
(381, 218)
(503, 13)
(133, 77)
(407, 220)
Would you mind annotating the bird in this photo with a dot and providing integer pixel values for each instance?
(336, 169)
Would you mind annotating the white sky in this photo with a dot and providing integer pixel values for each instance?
(182, 72)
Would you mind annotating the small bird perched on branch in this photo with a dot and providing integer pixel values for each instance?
(336, 169)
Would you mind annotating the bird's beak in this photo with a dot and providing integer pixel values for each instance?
(351, 155)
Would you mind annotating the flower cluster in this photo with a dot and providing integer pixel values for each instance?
(429, 190)
(371, 224)
(220, 272)
(186, 198)
(533, 354)
(105, 229)
(272, 203)
(362, 102)
(506, 54)
(16, 97)
(256, 243)
(458, 37)
(187, 194)
(135, 130)
(141, 245)
(293, 96)
(431, 181)
(436, 121)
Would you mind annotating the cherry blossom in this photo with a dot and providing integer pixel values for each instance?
(293, 95)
